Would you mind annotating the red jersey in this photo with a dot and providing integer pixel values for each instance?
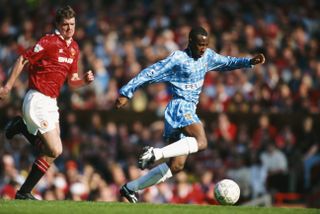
(51, 60)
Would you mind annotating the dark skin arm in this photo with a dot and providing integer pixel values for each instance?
(258, 59)
(121, 101)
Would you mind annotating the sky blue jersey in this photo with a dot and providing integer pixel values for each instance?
(184, 74)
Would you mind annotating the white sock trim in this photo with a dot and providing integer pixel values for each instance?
(166, 172)
(157, 153)
(184, 146)
(193, 145)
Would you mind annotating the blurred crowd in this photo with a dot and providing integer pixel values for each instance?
(118, 39)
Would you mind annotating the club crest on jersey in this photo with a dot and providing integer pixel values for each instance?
(72, 51)
(44, 124)
(188, 116)
(151, 72)
(65, 59)
(37, 48)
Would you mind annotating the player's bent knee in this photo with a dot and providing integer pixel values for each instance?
(202, 144)
(53, 144)
(175, 168)
(55, 152)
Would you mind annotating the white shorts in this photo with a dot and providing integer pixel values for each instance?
(40, 112)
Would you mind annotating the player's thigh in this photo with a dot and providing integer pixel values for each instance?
(40, 112)
(52, 142)
(58, 128)
(194, 130)
(177, 163)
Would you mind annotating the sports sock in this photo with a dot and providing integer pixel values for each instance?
(183, 146)
(156, 175)
(39, 168)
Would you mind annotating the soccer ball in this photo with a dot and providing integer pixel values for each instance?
(227, 192)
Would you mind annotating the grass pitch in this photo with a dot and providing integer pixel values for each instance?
(72, 207)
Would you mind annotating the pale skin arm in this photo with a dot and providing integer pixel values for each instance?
(16, 70)
(75, 81)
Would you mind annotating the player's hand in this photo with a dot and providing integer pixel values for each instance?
(121, 101)
(4, 91)
(258, 59)
(88, 77)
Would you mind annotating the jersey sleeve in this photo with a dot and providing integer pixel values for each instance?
(37, 51)
(158, 72)
(222, 63)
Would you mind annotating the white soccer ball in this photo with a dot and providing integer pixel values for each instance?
(227, 192)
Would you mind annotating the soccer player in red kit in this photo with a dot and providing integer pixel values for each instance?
(50, 62)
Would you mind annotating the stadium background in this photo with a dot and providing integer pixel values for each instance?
(269, 114)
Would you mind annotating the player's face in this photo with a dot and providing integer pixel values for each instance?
(67, 27)
(198, 45)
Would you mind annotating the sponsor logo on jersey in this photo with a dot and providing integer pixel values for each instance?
(190, 86)
(151, 72)
(65, 59)
(37, 48)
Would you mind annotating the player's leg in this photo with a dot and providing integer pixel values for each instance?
(156, 175)
(41, 116)
(17, 126)
(52, 149)
(195, 141)
(176, 164)
(196, 131)
(177, 152)
(192, 140)
(52, 143)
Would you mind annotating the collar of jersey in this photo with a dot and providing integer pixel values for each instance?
(188, 51)
(68, 42)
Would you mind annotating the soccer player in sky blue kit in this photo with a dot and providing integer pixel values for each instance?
(184, 72)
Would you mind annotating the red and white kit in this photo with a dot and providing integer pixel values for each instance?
(51, 60)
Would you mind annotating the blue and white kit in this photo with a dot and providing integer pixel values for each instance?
(184, 75)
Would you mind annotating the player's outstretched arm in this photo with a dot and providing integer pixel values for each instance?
(258, 59)
(121, 101)
(76, 82)
(16, 70)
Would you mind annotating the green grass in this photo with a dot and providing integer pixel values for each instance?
(72, 207)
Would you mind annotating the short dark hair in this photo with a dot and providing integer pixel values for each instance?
(197, 31)
(64, 13)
